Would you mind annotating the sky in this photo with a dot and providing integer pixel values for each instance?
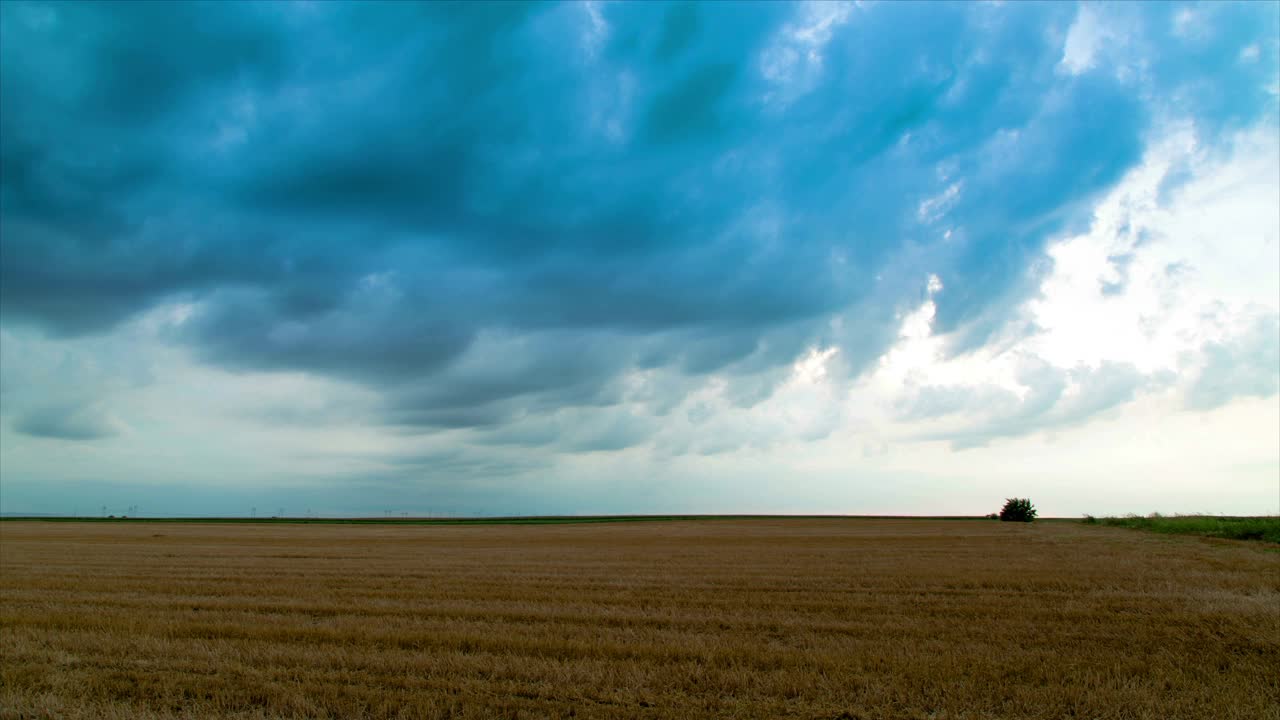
(587, 258)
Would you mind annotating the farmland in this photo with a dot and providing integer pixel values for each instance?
(805, 618)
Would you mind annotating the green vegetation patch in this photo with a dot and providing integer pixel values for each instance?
(1266, 529)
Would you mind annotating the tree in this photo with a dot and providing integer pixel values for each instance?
(1018, 510)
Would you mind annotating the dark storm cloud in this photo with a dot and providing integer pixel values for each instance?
(364, 339)
(369, 191)
(96, 101)
(503, 379)
(66, 423)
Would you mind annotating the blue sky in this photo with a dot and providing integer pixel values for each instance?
(639, 257)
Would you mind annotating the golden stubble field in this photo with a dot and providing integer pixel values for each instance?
(804, 618)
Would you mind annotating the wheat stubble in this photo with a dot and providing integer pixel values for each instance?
(805, 618)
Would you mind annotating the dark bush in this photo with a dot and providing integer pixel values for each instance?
(1018, 510)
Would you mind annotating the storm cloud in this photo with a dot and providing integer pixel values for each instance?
(550, 225)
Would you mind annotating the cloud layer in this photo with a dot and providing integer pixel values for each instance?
(582, 228)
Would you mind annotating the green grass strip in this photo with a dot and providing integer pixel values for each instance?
(1266, 529)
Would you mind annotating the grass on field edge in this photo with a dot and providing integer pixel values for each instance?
(1266, 529)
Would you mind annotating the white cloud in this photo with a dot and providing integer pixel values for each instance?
(1189, 24)
(1166, 268)
(793, 62)
(1172, 296)
(596, 31)
(1084, 39)
(1106, 38)
(935, 208)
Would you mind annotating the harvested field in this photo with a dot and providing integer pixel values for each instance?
(812, 618)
